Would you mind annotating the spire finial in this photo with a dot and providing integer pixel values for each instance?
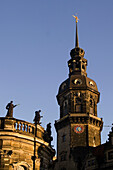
(77, 42)
(76, 18)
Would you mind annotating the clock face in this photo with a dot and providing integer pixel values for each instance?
(78, 129)
(78, 81)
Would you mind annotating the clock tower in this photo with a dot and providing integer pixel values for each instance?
(78, 126)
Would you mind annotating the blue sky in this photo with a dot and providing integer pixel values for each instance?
(35, 42)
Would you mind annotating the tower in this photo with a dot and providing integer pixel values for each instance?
(78, 126)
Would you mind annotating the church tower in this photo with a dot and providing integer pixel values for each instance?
(78, 96)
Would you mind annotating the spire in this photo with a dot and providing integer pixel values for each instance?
(76, 39)
(77, 42)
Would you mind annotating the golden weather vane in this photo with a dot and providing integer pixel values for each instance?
(76, 18)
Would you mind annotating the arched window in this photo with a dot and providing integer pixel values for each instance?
(65, 107)
(91, 107)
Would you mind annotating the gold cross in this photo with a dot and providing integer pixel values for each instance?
(76, 18)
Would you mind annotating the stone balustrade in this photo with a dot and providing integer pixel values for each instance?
(24, 126)
(20, 126)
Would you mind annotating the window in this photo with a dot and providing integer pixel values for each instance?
(63, 168)
(63, 138)
(77, 81)
(77, 65)
(41, 162)
(78, 100)
(78, 94)
(1, 141)
(91, 107)
(83, 67)
(91, 102)
(93, 162)
(89, 163)
(110, 155)
(91, 83)
(91, 110)
(65, 107)
(78, 108)
(63, 157)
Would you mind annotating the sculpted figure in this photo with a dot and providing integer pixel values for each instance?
(37, 117)
(49, 137)
(10, 107)
(49, 129)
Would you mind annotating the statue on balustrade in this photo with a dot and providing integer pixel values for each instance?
(10, 107)
(48, 136)
(37, 117)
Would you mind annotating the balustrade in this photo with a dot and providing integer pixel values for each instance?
(20, 126)
(24, 127)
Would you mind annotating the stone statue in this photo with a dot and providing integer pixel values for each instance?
(10, 107)
(48, 130)
(37, 117)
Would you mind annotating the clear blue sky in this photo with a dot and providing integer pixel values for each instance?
(36, 37)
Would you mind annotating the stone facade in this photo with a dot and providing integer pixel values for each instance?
(17, 139)
(101, 157)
